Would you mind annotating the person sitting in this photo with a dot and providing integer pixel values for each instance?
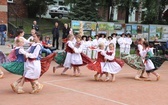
(158, 46)
(46, 46)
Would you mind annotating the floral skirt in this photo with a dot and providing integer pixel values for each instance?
(134, 61)
(14, 67)
(60, 58)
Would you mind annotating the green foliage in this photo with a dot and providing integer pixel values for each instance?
(84, 10)
(37, 7)
(155, 8)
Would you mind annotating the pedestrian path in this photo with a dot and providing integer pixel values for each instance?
(5, 48)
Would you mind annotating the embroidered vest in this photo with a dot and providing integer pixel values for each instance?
(68, 49)
(100, 57)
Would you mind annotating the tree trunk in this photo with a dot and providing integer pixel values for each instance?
(127, 14)
(112, 10)
(108, 14)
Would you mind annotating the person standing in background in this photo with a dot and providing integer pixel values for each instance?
(65, 32)
(35, 26)
(55, 32)
(3, 33)
(30, 39)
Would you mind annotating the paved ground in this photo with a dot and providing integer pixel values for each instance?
(83, 90)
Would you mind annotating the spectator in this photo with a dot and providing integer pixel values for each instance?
(30, 39)
(2, 33)
(35, 26)
(55, 32)
(47, 44)
(158, 46)
(44, 49)
(65, 32)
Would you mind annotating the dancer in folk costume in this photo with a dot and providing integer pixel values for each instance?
(17, 65)
(157, 60)
(110, 40)
(111, 64)
(32, 66)
(149, 66)
(96, 66)
(84, 44)
(95, 46)
(122, 43)
(69, 50)
(20, 34)
(76, 58)
(114, 39)
(59, 59)
(89, 45)
(134, 60)
(128, 43)
(102, 38)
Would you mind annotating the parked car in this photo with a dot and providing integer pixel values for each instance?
(59, 11)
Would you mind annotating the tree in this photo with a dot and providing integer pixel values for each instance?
(84, 10)
(127, 6)
(155, 8)
(38, 7)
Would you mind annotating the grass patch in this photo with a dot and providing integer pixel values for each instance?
(45, 25)
(132, 51)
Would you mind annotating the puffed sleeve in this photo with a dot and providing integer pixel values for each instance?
(36, 52)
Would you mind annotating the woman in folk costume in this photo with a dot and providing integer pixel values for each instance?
(114, 39)
(89, 45)
(84, 44)
(110, 40)
(17, 66)
(32, 66)
(111, 65)
(69, 50)
(76, 58)
(20, 34)
(102, 38)
(135, 60)
(122, 43)
(149, 66)
(128, 43)
(96, 66)
(95, 46)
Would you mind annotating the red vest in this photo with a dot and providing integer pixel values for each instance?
(110, 53)
(68, 49)
(100, 57)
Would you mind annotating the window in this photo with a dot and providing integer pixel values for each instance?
(65, 9)
(10, 1)
(61, 8)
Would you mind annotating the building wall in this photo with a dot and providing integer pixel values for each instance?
(17, 9)
(3, 11)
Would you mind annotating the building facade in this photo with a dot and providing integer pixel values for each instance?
(3, 12)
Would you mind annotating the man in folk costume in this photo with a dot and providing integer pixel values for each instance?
(114, 39)
(95, 46)
(89, 45)
(122, 42)
(128, 43)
